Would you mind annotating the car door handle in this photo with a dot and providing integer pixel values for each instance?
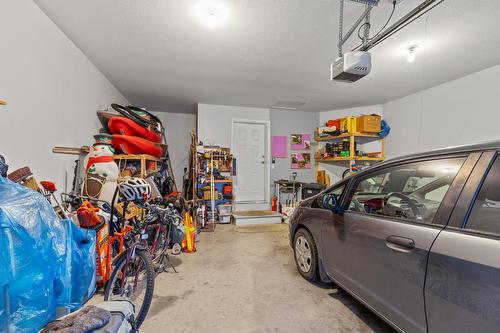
(400, 243)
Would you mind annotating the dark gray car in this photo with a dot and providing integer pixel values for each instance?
(416, 239)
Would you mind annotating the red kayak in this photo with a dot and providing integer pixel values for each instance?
(134, 145)
(126, 126)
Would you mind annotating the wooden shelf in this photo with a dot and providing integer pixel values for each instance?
(346, 136)
(143, 158)
(343, 159)
(219, 181)
(136, 157)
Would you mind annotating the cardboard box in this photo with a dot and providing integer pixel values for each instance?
(368, 123)
(207, 195)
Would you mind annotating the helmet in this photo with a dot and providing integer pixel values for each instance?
(134, 189)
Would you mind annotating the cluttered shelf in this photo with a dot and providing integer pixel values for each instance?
(219, 181)
(354, 158)
(136, 157)
(356, 142)
(326, 138)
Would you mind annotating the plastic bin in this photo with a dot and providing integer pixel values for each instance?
(224, 218)
(224, 209)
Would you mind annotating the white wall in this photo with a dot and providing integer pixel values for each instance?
(462, 111)
(335, 169)
(215, 121)
(178, 127)
(284, 123)
(52, 89)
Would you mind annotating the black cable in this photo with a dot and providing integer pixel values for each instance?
(381, 29)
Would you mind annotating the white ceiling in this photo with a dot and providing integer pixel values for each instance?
(160, 56)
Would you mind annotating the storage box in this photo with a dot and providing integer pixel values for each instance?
(207, 195)
(348, 125)
(224, 218)
(224, 209)
(368, 123)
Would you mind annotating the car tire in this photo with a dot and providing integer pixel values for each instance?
(305, 254)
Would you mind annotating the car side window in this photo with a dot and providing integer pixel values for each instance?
(485, 213)
(411, 191)
(337, 190)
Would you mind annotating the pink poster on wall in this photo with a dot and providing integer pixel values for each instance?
(300, 141)
(279, 146)
(301, 160)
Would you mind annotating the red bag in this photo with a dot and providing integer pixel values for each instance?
(227, 191)
(331, 123)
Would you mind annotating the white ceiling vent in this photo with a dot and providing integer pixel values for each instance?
(287, 105)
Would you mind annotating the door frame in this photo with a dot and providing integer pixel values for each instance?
(267, 158)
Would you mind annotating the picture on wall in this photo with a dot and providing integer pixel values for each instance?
(301, 160)
(300, 141)
(279, 146)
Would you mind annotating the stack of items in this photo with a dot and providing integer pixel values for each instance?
(371, 124)
(47, 265)
(135, 131)
(214, 171)
(224, 211)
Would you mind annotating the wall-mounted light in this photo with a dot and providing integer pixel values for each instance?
(412, 53)
(211, 12)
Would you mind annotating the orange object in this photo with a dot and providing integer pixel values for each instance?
(104, 251)
(103, 256)
(48, 186)
(332, 123)
(88, 218)
(188, 244)
(174, 194)
(87, 215)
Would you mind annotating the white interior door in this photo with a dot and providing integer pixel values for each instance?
(249, 148)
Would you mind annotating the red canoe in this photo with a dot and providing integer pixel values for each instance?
(134, 145)
(126, 126)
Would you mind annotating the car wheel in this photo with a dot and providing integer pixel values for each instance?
(306, 255)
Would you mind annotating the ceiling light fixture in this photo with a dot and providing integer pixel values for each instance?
(212, 12)
(412, 54)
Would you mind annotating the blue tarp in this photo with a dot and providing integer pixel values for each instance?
(45, 262)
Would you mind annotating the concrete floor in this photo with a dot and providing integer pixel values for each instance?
(247, 282)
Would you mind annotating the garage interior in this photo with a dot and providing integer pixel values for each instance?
(224, 116)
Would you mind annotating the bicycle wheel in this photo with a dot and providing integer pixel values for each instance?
(133, 280)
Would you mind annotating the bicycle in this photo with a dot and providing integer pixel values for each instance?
(159, 223)
(133, 273)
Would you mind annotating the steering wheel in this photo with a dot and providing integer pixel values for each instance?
(408, 201)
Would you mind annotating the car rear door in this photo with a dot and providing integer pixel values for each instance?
(462, 290)
(381, 257)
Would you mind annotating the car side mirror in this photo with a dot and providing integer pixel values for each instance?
(328, 201)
